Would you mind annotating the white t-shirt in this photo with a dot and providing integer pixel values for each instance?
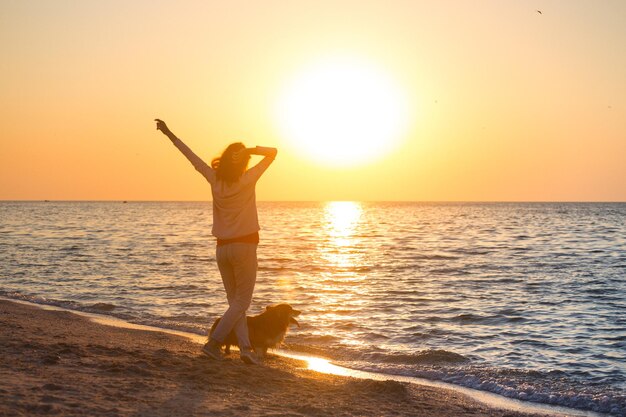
(234, 205)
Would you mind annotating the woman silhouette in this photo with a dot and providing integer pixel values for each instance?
(236, 227)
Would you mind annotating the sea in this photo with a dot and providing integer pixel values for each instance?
(526, 300)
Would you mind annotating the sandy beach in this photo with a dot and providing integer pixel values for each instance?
(59, 363)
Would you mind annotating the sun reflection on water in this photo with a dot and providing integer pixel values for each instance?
(325, 367)
(341, 251)
(342, 219)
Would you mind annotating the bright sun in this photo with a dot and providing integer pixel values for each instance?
(342, 112)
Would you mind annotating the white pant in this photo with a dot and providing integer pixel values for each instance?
(237, 264)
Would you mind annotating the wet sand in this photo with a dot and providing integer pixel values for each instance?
(60, 363)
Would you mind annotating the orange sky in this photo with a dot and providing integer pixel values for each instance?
(506, 103)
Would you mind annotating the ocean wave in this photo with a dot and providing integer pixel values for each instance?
(429, 356)
(473, 318)
(102, 307)
(186, 324)
(71, 248)
(448, 271)
(553, 388)
(434, 257)
(185, 287)
(539, 387)
(470, 318)
(374, 336)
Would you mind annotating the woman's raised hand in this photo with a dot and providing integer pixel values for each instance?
(161, 126)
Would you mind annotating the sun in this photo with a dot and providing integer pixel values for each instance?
(342, 112)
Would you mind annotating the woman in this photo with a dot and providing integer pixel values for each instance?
(236, 227)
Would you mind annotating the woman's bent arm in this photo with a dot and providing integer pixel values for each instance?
(200, 166)
(263, 151)
(269, 155)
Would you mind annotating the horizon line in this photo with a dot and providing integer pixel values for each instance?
(313, 201)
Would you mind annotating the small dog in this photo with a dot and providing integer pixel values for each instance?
(267, 330)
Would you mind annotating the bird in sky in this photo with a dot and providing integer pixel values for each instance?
(539, 11)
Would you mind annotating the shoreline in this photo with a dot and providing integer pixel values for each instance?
(64, 349)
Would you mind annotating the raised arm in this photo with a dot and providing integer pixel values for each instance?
(269, 155)
(263, 151)
(200, 166)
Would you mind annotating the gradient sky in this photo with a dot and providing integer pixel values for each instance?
(507, 104)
